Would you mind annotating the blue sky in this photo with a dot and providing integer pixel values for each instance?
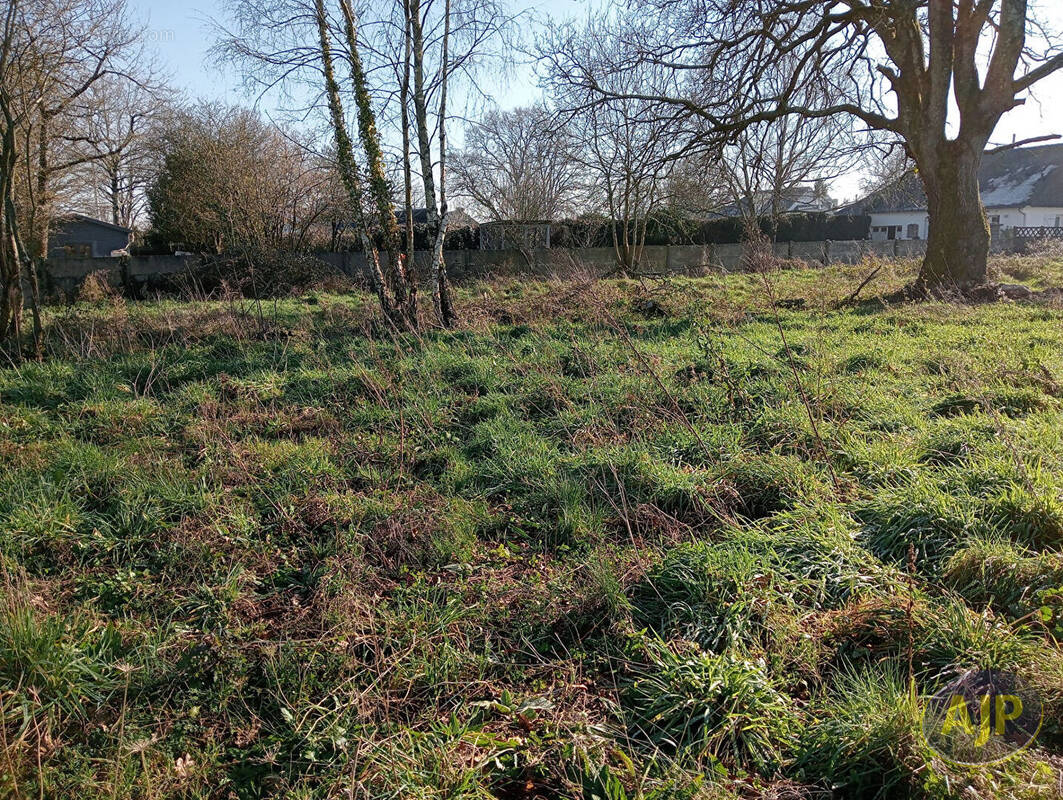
(181, 34)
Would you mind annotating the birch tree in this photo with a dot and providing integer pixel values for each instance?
(435, 206)
(292, 44)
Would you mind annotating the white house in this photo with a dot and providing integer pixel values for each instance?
(1020, 188)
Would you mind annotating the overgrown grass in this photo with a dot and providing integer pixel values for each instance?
(571, 549)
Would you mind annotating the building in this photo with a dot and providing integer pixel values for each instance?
(1021, 188)
(78, 236)
(795, 200)
(459, 218)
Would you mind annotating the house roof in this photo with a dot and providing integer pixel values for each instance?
(515, 223)
(458, 217)
(796, 200)
(1024, 176)
(93, 221)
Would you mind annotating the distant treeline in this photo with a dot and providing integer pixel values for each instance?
(674, 230)
(677, 230)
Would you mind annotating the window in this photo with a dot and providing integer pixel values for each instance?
(994, 220)
(913, 230)
(77, 250)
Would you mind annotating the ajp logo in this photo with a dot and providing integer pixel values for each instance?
(981, 717)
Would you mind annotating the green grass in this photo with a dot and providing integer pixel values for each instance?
(567, 550)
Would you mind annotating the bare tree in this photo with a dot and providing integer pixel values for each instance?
(431, 48)
(291, 44)
(626, 147)
(403, 287)
(348, 168)
(55, 53)
(774, 163)
(436, 208)
(120, 133)
(404, 56)
(518, 164)
(885, 167)
(898, 67)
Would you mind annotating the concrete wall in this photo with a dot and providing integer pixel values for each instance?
(675, 259)
(67, 273)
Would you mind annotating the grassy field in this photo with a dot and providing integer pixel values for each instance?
(607, 540)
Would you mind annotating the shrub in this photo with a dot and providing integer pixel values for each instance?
(98, 287)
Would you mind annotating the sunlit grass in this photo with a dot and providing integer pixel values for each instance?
(570, 549)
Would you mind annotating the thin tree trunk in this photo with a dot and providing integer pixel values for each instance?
(441, 284)
(420, 111)
(39, 229)
(407, 169)
(424, 146)
(403, 289)
(348, 168)
(14, 255)
(10, 255)
(116, 216)
(33, 270)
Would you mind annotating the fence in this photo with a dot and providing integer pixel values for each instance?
(1037, 234)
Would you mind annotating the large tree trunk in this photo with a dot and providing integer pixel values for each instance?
(957, 252)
